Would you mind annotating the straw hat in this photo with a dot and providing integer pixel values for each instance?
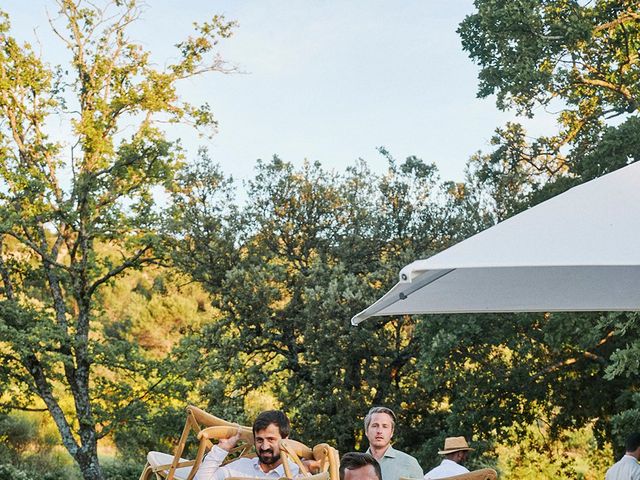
(454, 444)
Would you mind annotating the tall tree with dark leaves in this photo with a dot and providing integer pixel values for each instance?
(581, 60)
(314, 248)
(577, 58)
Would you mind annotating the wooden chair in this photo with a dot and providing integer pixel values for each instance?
(297, 452)
(209, 428)
(482, 474)
(162, 466)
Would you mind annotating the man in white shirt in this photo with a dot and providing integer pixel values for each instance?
(268, 429)
(627, 468)
(455, 451)
(379, 426)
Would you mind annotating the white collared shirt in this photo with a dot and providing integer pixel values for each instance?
(212, 468)
(448, 468)
(627, 468)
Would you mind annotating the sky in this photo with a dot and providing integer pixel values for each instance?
(323, 80)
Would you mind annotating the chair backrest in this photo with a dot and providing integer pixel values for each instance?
(326, 456)
(329, 460)
(208, 427)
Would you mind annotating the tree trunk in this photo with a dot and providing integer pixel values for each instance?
(88, 462)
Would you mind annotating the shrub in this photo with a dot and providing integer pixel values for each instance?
(9, 472)
(118, 470)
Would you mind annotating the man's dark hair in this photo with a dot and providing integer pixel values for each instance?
(633, 442)
(355, 460)
(276, 417)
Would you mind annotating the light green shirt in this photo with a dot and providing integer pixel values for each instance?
(396, 464)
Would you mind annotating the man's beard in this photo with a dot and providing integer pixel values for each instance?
(269, 459)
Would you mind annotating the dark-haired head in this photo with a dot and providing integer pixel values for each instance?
(355, 460)
(633, 442)
(276, 417)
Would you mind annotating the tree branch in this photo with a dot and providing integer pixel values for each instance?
(133, 261)
(121, 414)
(44, 391)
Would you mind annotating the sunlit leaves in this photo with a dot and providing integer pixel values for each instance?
(78, 212)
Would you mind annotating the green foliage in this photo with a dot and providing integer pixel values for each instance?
(9, 472)
(202, 222)
(535, 455)
(16, 431)
(625, 423)
(154, 308)
(617, 146)
(73, 222)
(531, 51)
(150, 429)
(506, 371)
(581, 56)
(122, 470)
(507, 177)
(30, 448)
(313, 247)
(585, 56)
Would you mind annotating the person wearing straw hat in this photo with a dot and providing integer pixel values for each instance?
(456, 451)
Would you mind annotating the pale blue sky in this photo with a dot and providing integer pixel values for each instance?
(325, 80)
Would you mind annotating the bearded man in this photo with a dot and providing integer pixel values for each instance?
(268, 429)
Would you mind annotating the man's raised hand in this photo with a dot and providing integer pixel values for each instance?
(228, 443)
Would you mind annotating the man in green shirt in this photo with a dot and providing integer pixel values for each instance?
(379, 425)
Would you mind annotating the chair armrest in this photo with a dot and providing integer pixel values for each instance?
(219, 432)
(299, 448)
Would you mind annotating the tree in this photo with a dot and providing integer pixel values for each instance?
(72, 223)
(499, 374)
(579, 57)
(313, 248)
(584, 55)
